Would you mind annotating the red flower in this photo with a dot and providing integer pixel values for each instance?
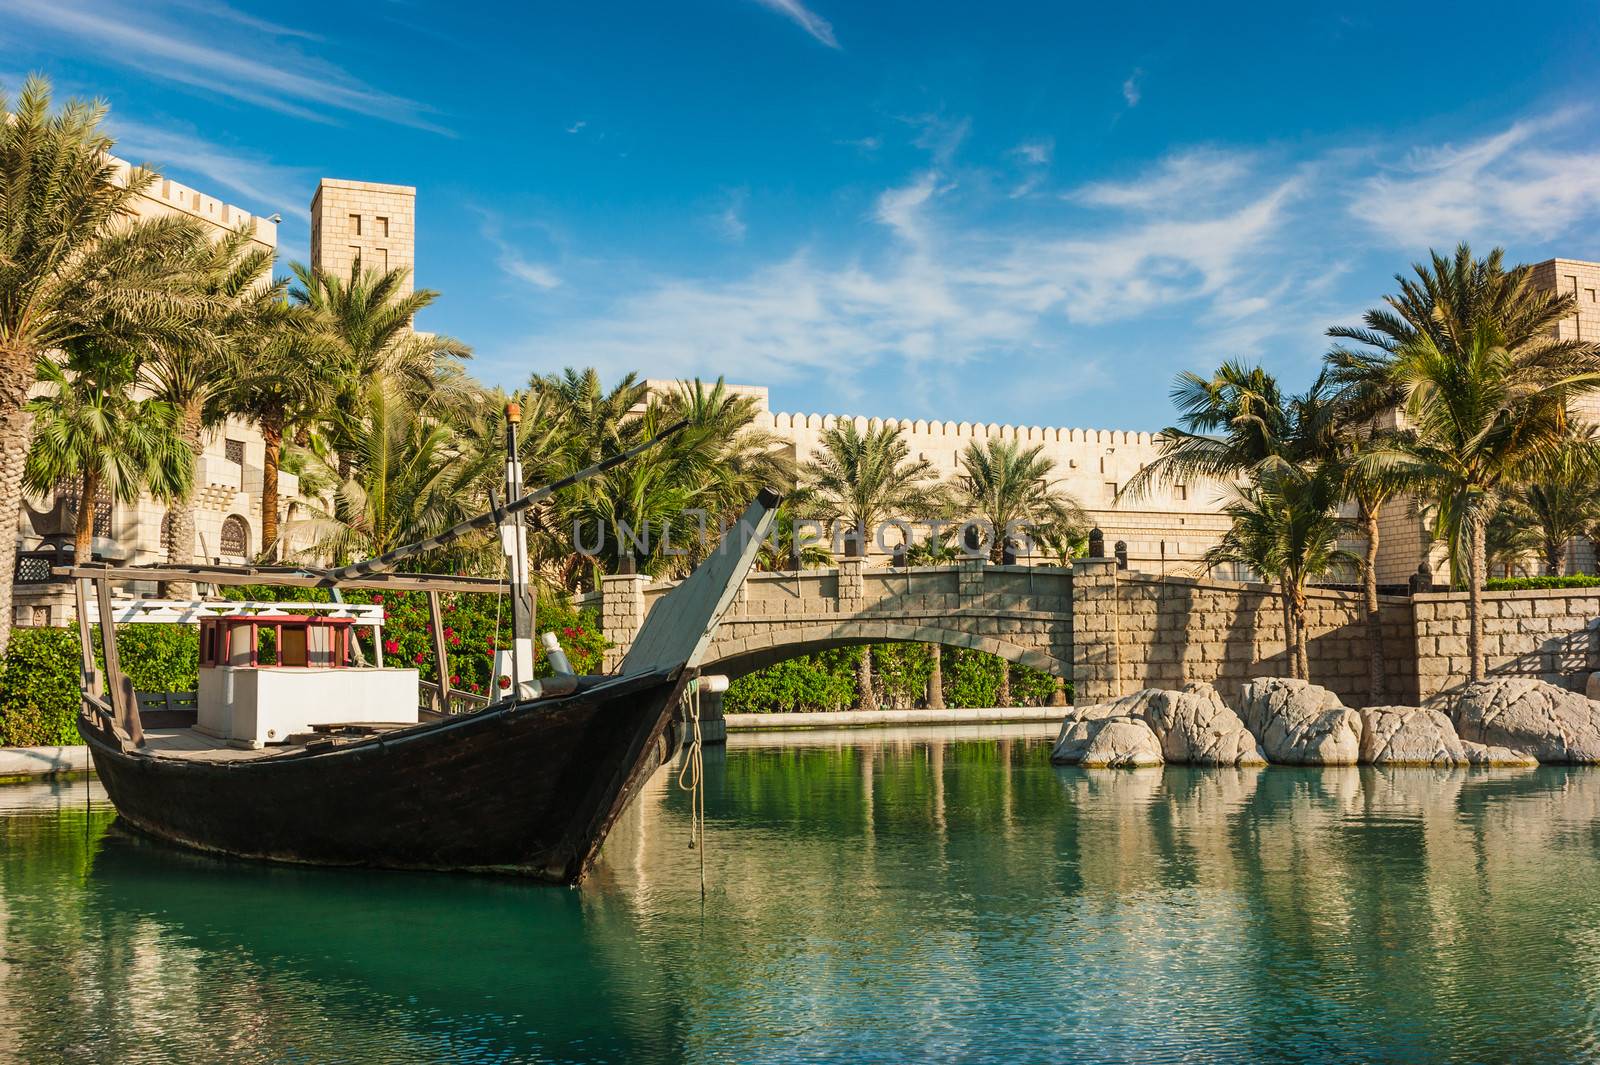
(476, 686)
(455, 678)
(378, 598)
(455, 641)
(505, 682)
(417, 658)
(568, 632)
(449, 632)
(391, 647)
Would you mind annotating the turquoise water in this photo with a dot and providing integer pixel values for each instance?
(872, 897)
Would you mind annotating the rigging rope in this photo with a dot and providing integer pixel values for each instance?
(692, 778)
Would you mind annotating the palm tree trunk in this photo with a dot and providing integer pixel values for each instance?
(1555, 557)
(83, 529)
(1369, 582)
(1302, 641)
(16, 376)
(181, 515)
(936, 679)
(1289, 652)
(272, 436)
(1477, 564)
(866, 694)
(1003, 696)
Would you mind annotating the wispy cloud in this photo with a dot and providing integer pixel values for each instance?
(1036, 152)
(1207, 252)
(577, 127)
(241, 18)
(266, 186)
(1131, 92)
(1530, 181)
(511, 259)
(937, 294)
(1174, 183)
(180, 50)
(729, 221)
(805, 18)
(1033, 157)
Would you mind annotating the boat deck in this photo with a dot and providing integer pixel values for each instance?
(188, 743)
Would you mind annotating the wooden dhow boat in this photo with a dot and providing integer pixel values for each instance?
(528, 785)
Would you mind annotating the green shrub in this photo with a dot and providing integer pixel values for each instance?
(971, 678)
(827, 681)
(39, 688)
(1520, 584)
(160, 658)
(1032, 687)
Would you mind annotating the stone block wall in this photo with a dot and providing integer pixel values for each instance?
(1546, 634)
(1175, 631)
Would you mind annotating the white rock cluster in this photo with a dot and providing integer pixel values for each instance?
(1513, 722)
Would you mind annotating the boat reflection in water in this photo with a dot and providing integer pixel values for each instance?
(879, 897)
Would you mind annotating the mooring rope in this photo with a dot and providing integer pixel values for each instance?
(692, 778)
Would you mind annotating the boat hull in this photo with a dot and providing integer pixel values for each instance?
(529, 788)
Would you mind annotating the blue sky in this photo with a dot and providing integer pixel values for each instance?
(1025, 213)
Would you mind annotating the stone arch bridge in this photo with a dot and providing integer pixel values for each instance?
(1024, 614)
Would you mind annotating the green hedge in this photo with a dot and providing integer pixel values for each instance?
(827, 681)
(39, 674)
(1522, 584)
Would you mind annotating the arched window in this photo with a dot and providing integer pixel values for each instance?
(235, 536)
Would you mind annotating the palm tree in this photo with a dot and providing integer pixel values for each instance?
(1011, 489)
(649, 511)
(73, 268)
(291, 365)
(1285, 526)
(1229, 424)
(371, 317)
(1484, 384)
(1560, 503)
(863, 479)
(406, 482)
(89, 431)
(786, 549)
(199, 380)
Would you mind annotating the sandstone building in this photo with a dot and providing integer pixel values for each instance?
(353, 220)
(348, 218)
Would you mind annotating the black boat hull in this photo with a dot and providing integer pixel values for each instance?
(529, 788)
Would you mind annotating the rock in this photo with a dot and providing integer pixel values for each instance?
(1122, 743)
(1299, 723)
(1408, 735)
(1530, 716)
(1090, 737)
(1196, 727)
(1483, 754)
(1193, 727)
(1073, 739)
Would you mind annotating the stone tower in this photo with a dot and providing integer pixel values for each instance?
(377, 223)
(1580, 280)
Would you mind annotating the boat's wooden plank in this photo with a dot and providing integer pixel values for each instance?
(90, 678)
(441, 658)
(121, 694)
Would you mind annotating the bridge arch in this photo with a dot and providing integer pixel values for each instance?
(738, 655)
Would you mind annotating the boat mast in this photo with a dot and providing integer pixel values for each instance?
(514, 542)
